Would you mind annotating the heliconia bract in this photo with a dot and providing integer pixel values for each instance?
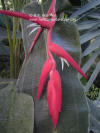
(57, 50)
(55, 77)
(45, 71)
(34, 41)
(52, 103)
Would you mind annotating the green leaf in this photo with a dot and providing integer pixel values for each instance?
(94, 114)
(16, 111)
(94, 15)
(93, 76)
(90, 5)
(85, 25)
(92, 47)
(88, 36)
(90, 62)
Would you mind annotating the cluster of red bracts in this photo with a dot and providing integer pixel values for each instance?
(54, 92)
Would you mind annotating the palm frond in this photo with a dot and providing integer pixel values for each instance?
(90, 5)
(90, 62)
(87, 36)
(92, 47)
(94, 115)
(88, 23)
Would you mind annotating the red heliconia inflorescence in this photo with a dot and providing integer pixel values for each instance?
(54, 89)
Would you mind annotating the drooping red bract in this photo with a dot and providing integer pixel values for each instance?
(57, 50)
(52, 103)
(55, 77)
(35, 40)
(45, 71)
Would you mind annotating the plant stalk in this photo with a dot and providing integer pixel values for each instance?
(10, 41)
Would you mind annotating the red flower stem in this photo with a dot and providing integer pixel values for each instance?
(52, 60)
(35, 40)
(49, 37)
(52, 7)
(39, 20)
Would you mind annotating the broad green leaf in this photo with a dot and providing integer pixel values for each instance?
(74, 115)
(16, 111)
